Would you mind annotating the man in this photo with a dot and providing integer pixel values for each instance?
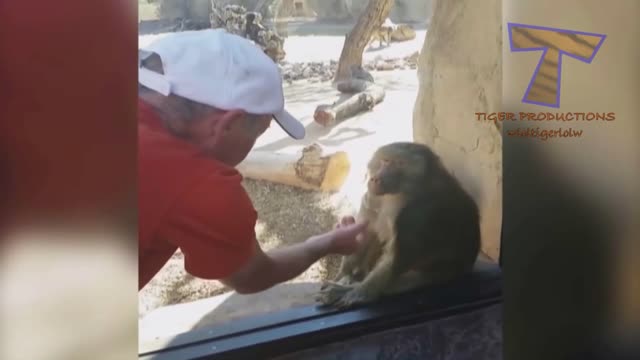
(205, 97)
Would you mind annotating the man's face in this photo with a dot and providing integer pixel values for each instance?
(228, 136)
(241, 138)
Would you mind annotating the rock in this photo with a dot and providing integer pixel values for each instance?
(383, 66)
(322, 71)
(403, 32)
(413, 58)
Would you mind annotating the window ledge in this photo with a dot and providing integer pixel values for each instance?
(299, 328)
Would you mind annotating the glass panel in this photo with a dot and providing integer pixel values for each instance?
(299, 188)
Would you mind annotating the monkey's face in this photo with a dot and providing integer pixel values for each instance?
(386, 176)
(396, 168)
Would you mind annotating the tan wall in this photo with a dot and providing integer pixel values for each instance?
(460, 74)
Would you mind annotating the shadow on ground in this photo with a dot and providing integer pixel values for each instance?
(278, 298)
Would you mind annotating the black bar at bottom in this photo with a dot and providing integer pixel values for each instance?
(284, 335)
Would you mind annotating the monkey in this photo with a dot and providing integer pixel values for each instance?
(423, 229)
(383, 33)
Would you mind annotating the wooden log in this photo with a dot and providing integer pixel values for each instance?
(329, 115)
(310, 169)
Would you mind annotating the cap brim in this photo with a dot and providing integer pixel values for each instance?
(290, 125)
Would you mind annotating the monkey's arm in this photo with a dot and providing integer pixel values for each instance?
(380, 255)
(373, 285)
(355, 266)
(405, 244)
(352, 264)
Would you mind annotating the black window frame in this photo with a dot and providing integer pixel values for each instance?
(284, 332)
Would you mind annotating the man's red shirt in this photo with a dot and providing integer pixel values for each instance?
(188, 201)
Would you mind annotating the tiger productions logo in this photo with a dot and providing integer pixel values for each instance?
(544, 87)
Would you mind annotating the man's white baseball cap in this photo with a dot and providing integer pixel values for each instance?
(222, 70)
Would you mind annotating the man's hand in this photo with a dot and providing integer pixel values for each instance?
(345, 239)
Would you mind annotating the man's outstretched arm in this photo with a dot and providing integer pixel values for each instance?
(265, 270)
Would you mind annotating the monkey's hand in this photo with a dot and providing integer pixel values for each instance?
(331, 292)
(342, 296)
(356, 296)
(343, 280)
(327, 283)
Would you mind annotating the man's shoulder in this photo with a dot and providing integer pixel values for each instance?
(215, 208)
(219, 193)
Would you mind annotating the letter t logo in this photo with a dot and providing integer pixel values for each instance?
(544, 87)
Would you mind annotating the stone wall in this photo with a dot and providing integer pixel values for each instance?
(460, 74)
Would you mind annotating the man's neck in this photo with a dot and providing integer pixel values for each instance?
(169, 118)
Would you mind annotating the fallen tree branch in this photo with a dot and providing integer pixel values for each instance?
(365, 96)
(311, 169)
